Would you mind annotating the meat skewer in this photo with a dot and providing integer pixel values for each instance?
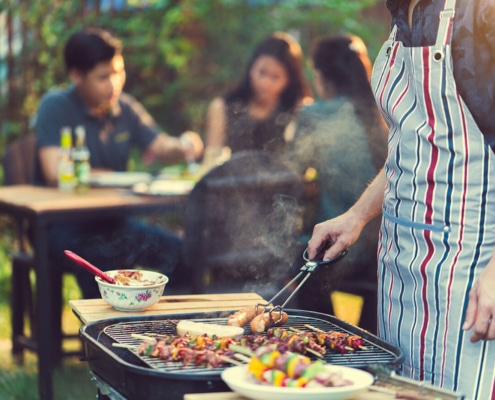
(203, 350)
(340, 342)
(298, 341)
(180, 352)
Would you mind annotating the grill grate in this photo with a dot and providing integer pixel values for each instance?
(375, 353)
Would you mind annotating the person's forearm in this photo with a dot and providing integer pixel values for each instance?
(369, 205)
(343, 230)
(48, 158)
(167, 149)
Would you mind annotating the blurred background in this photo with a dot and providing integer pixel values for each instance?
(179, 55)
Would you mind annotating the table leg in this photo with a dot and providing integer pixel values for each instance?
(44, 314)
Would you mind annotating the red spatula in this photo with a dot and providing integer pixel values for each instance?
(90, 267)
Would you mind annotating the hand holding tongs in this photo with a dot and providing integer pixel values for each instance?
(308, 268)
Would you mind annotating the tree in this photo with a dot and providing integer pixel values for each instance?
(179, 53)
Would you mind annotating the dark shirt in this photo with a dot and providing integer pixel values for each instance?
(473, 49)
(246, 133)
(109, 139)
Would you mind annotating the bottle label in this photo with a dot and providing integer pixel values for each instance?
(66, 175)
(83, 171)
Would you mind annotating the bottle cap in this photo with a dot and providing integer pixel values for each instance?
(66, 137)
(80, 132)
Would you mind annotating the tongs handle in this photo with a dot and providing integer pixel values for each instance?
(312, 264)
(307, 268)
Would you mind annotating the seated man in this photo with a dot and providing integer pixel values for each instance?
(114, 123)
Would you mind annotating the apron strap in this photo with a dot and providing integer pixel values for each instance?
(444, 34)
(393, 33)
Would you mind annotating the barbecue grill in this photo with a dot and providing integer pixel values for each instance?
(132, 376)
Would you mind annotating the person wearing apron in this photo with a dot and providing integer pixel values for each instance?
(438, 220)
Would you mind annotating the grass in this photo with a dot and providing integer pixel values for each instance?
(18, 380)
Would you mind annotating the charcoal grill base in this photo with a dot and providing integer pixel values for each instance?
(133, 378)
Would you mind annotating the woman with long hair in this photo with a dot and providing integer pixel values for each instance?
(255, 114)
(342, 139)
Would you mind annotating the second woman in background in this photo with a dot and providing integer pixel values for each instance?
(344, 139)
(256, 113)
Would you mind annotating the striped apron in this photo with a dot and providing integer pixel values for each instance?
(438, 226)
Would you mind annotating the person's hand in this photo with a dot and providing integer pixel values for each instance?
(342, 231)
(192, 144)
(481, 306)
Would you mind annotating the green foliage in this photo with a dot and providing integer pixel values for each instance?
(179, 53)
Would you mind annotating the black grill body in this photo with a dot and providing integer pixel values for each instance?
(138, 377)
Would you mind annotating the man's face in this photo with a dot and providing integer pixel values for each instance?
(101, 87)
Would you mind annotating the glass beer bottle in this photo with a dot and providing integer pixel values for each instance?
(65, 163)
(80, 155)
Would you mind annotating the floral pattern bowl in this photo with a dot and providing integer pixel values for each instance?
(135, 297)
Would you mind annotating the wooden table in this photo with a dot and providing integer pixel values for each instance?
(43, 206)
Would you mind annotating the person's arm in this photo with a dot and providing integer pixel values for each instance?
(215, 131)
(48, 157)
(480, 313)
(216, 124)
(52, 114)
(345, 229)
(155, 143)
(170, 150)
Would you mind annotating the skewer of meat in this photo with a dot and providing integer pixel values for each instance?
(294, 344)
(196, 342)
(193, 342)
(339, 341)
(297, 341)
(179, 353)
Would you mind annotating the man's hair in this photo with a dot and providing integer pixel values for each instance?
(86, 48)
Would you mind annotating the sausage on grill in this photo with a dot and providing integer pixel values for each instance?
(244, 315)
(268, 319)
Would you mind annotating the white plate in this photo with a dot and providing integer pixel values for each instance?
(119, 179)
(240, 381)
(164, 187)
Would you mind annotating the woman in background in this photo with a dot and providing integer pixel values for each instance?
(342, 139)
(255, 114)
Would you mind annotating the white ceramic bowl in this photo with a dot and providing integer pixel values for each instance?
(135, 297)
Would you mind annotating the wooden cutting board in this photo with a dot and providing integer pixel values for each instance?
(97, 309)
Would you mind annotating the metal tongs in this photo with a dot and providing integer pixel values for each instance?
(308, 268)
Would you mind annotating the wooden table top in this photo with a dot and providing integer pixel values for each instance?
(97, 309)
(366, 395)
(48, 199)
